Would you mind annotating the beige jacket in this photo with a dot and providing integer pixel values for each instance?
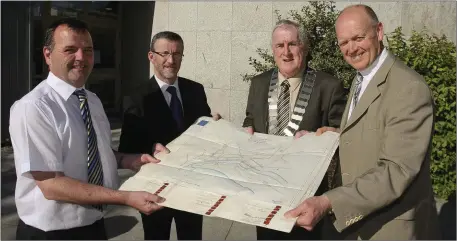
(385, 146)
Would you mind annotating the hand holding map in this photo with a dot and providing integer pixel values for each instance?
(217, 169)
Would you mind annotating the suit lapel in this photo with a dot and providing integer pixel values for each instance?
(186, 99)
(344, 118)
(154, 87)
(264, 95)
(371, 93)
(156, 99)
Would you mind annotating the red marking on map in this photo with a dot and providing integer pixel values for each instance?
(271, 215)
(161, 188)
(218, 202)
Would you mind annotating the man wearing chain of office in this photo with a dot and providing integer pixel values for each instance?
(291, 98)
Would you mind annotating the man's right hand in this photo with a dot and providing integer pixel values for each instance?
(144, 202)
(321, 130)
(249, 130)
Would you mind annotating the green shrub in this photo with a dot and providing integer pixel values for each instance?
(319, 21)
(434, 58)
(431, 56)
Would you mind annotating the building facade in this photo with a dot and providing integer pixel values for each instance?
(121, 34)
(219, 38)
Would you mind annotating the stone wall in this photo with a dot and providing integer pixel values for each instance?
(219, 38)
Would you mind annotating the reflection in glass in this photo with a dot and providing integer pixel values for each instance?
(104, 47)
(66, 9)
(36, 9)
(105, 9)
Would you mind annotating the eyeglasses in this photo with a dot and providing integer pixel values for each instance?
(166, 55)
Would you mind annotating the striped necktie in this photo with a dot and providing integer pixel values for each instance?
(94, 165)
(358, 87)
(283, 108)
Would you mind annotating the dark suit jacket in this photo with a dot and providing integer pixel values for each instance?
(148, 118)
(325, 107)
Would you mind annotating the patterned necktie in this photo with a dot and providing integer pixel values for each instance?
(94, 165)
(176, 107)
(283, 108)
(358, 87)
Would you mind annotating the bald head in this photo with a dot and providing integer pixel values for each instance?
(359, 35)
(362, 10)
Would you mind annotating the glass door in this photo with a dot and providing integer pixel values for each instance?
(103, 19)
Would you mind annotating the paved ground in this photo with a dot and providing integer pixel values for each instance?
(124, 223)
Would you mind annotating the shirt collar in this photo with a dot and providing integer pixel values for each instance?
(375, 65)
(64, 89)
(293, 81)
(163, 86)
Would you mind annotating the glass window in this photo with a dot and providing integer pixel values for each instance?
(36, 9)
(106, 9)
(66, 9)
(104, 47)
(38, 41)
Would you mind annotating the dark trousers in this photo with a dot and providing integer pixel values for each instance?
(297, 233)
(157, 226)
(95, 231)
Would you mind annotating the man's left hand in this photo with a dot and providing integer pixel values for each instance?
(310, 211)
(139, 160)
(216, 116)
(159, 148)
(136, 161)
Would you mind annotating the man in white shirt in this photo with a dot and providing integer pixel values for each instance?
(66, 169)
(385, 143)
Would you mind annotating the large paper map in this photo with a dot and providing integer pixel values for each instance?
(217, 169)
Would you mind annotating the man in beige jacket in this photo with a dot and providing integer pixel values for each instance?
(385, 143)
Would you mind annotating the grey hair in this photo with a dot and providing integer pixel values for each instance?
(302, 35)
(168, 35)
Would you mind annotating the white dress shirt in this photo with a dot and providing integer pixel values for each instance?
(48, 134)
(164, 86)
(368, 74)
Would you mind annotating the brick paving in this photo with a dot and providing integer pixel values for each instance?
(124, 223)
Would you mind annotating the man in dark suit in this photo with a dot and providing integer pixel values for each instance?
(291, 98)
(158, 111)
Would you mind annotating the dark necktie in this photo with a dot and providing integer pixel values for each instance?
(283, 108)
(94, 165)
(176, 107)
